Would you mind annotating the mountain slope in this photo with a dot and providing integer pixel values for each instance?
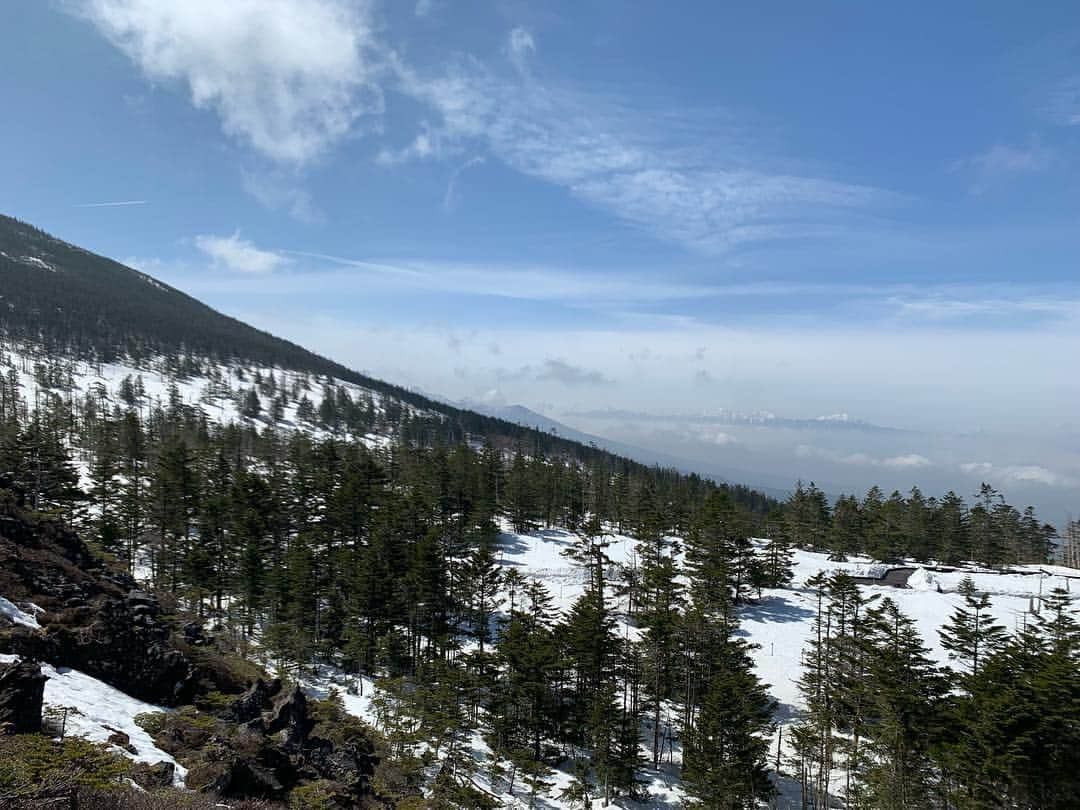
(63, 301)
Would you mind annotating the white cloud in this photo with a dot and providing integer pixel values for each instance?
(1004, 158)
(288, 77)
(703, 195)
(718, 437)
(950, 305)
(450, 197)
(521, 45)
(425, 145)
(238, 254)
(906, 461)
(1064, 104)
(1017, 474)
(279, 192)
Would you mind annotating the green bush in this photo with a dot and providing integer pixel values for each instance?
(34, 766)
(319, 795)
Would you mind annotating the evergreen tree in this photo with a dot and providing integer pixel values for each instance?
(972, 635)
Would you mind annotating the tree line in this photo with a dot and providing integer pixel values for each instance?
(989, 531)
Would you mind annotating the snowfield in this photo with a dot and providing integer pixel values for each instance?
(780, 622)
(97, 710)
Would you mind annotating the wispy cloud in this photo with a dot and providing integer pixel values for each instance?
(705, 194)
(238, 254)
(520, 46)
(557, 370)
(280, 191)
(450, 198)
(110, 204)
(425, 145)
(1010, 303)
(289, 77)
(1003, 161)
(636, 296)
(1064, 102)
(522, 282)
(904, 461)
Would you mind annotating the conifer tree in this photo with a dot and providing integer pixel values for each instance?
(972, 635)
(724, 756)
(905, 688)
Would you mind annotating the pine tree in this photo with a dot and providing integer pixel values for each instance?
(971, 635)
(906, 688)
(725, 751)
(658, 615)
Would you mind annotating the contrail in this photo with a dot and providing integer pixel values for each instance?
(110, 204)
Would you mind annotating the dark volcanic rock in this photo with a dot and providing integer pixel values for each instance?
(290, 714)
(343, 763)
(152, 777)
(22, 686)
(250, 705)
(95, 620)
(135, 656)
(121, 740)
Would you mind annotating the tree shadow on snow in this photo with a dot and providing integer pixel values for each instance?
(775, 608)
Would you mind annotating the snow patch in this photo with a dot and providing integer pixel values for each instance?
(922, 580)
(9, 611)
(34, 261)
(97, 710)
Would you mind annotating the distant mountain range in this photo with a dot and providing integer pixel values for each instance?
(838, 421)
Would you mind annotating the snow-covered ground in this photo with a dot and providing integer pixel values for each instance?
(97, 710)
(216, 392)
(780, 623)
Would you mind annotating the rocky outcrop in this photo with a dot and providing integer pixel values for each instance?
(250, 705)
(270, 748)
(22, 687)
(289, 715)
(121, 642)
(94, 619)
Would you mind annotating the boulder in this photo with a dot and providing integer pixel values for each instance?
(290, 714)
(153, 777)
(121, 740)
(250, 705)
(339, 763)
(22, 687)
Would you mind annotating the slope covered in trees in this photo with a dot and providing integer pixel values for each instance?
(65, 302)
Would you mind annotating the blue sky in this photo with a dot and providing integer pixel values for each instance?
(808, 209)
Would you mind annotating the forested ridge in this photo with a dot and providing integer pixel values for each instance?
(66, 302)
